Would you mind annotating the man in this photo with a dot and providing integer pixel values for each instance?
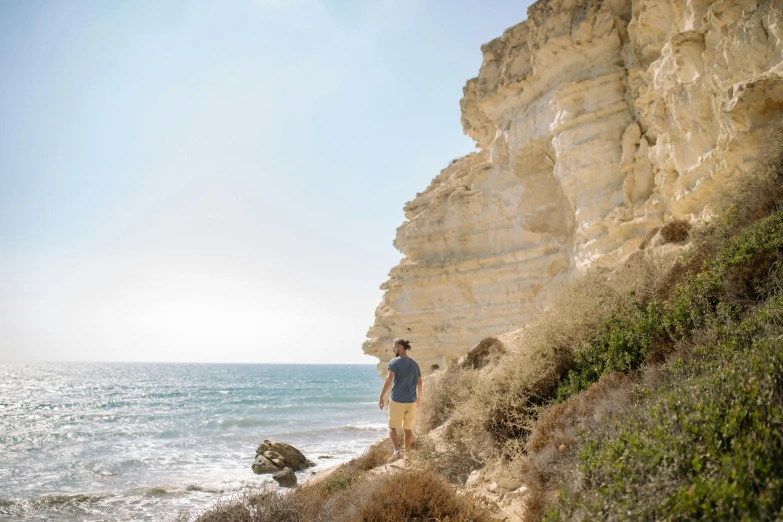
(404, 377)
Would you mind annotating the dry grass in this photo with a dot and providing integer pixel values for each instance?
(759, 193)
(346, 474)
(407, 494)
(676, 231)
(448, 389)
(498, 415)
(262, 505)
(454, 385)
(448, 454)
(486, 352)
(649, 237)
(375, 456)
(419, 495)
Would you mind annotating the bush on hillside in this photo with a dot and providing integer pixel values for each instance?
(262, 505)
(499, 414)
(450, 388)
(407, 494)
(736, 278)
(419, 495)
(706, 445)
(703, 438)
(551, 450)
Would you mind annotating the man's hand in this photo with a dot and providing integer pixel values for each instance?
(418, 401)
(386, 385)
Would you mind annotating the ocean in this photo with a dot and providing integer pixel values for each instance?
(124, 441)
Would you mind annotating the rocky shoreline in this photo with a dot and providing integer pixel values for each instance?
(281, 460)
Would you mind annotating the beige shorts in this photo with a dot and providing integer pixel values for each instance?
(402, 415)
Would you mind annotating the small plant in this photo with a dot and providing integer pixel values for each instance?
(375, 456)
(336, 482)
(676, 231)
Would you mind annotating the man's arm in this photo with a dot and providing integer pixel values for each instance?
(419, 387)
(386, 384)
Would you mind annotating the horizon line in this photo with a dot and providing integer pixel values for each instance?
(183, 362)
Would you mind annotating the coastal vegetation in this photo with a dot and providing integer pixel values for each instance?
(353, 492)
(650, 391)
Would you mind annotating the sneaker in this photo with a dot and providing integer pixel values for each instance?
(394, 458)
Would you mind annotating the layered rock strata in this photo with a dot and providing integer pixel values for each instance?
(595, 121)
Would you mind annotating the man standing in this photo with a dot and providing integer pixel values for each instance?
(405, 380)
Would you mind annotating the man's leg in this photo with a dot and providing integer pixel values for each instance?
(393, 437)
(395, 421)
(408, 440)
(408, 422)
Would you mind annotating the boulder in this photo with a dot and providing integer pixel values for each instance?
(276, 458)
(263, 465)
(272, 455)
(285, 478)
(283, 455)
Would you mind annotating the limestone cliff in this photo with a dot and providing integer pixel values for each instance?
(595, 121)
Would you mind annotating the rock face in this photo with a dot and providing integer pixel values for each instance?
(272, 456)
(595, 121)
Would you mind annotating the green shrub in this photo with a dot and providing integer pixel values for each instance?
(621, 344)
(336, 482)
(708, 445)
(742, 272)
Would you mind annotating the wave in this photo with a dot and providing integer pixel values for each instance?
(374, 426)
(81, 506)
(45, 502)
(360, 431)
(247, 423)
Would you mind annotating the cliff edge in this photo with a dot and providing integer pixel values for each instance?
(595, 122)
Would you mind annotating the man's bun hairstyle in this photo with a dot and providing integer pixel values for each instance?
(402, 342)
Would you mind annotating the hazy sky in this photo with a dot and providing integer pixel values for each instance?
(218, 181)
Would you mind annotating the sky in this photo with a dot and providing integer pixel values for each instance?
(210, 181)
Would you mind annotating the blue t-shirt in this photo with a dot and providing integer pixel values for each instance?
(406, 377)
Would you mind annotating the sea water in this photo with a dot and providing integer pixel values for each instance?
(93, 441)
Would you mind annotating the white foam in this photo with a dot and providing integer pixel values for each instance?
(368, 426)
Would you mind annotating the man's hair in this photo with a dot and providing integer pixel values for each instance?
(402, 342)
